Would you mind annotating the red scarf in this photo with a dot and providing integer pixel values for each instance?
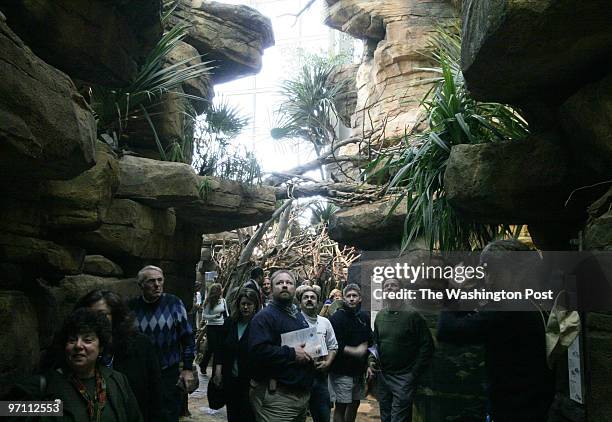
(96, 404)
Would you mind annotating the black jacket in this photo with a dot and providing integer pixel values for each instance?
(351, 328)
(230, 349)
(140, 364)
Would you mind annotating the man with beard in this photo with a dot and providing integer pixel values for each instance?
(320, 408)
(352, 328)
(405, 349)
(163, 318)
(282, 375)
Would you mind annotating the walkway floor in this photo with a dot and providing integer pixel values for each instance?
(200, 412)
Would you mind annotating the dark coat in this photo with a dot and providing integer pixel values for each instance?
(56, 385)
(230, 349)
(271, 360)
(140, 364)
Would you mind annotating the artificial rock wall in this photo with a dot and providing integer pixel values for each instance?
(76, 213)
(550, 59)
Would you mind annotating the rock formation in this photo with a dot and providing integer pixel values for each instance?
(548, 58)
(232, 37)
(78, 214)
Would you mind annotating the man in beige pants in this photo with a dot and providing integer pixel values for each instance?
(282, 376)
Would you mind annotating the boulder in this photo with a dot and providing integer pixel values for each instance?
(45, 256)
(198, 87)
(227, 205)
(359, 18)
(19, 353)
(232, 36)
(510, 182)
(48, 131)
(101, 266)
(369, 226)
(21, 217)
(130, 229)
(169, 121)
(80, 203)
(91, 40)
(346, 100)
(586, 118)
(512, 49)
(390, 78)
(159, 184)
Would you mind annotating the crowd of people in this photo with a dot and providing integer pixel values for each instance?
(116, 360)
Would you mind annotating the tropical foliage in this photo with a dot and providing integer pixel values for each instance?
(322, 212)
(115, 109)
(453, 117)
(214, 152)
(308, 110)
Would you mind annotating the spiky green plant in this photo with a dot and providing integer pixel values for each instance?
(116, 108)
(453, 118)
(322, 212)
(215, 154)
(308, 110)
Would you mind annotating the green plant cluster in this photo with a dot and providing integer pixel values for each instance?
(214, 152)
(115, 109)
(308, 110)
(453, 117)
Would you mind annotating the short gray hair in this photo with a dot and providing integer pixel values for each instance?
(141, 275)
(352, 287)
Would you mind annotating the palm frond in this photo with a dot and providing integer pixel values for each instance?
(453, 118)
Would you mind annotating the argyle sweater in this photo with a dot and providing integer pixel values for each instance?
(165, 323)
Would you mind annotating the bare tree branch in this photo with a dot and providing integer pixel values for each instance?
(314, 164)
(341, 193)
(298, 14)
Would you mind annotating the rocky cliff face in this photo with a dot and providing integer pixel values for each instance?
(396, 34)
(388, 92)
(75, 213)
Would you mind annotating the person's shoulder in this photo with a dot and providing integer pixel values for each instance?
(265, 314)
(109, 373)
(323, 320)
(135, 302)
(171, 299)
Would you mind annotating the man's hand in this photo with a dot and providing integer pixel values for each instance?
(187, 379)
(301, 356)
(322, 365)
(371, 373)
(217, 377)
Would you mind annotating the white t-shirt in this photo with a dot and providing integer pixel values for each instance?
(325, 330)
(214, 316)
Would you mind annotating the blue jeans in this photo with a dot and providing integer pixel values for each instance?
(319, 404)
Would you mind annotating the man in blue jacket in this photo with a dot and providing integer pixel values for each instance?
(282, 375)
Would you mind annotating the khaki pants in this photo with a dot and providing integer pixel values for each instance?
(281, 405)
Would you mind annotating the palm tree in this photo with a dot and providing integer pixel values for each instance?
(308, 111)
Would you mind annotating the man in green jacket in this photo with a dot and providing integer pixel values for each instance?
(404, 348)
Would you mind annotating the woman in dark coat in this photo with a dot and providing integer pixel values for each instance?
(130, 352)
(231, 357)
(89, 391)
